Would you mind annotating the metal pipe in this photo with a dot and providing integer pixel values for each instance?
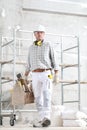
(78, 73)
(69, 84)
(70, 48)
(71, 101)
(6, 62)
(0, 73)
(7, 43)
(61, 70)
(25, 31)
(14, 57)
(16, 110)
(18, 38)
(73, 36)
(6, 81)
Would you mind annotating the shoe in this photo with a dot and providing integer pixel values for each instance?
(37, 124)
(44, 123)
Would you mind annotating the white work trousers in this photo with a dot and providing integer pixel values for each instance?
(42, 88)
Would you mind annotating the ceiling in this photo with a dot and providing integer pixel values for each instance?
(70, 1)
(74, 7)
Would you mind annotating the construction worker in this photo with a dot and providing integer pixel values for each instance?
(41, 60)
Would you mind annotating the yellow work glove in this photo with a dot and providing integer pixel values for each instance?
(55, 79)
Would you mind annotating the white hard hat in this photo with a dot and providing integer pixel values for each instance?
(39, 28)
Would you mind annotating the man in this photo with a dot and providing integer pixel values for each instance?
(41, 60)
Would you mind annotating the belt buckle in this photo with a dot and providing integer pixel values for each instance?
(43, 70)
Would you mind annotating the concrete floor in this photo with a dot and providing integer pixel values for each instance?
(27, 126)
(49, 128)
(22, 125)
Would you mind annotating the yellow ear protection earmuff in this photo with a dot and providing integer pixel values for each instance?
(38, 43)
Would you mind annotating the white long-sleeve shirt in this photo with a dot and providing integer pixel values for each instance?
(41, 57)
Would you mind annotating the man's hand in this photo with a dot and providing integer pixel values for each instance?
(26, 79)
(25, 76)
(56, 79)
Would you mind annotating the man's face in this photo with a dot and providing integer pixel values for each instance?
(39, 35)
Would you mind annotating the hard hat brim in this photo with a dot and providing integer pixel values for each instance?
(39, 31)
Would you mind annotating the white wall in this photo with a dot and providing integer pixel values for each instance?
(54, 23)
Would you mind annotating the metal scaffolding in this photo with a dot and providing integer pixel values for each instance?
(12, 43)
(4, 80)
(64, 66)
